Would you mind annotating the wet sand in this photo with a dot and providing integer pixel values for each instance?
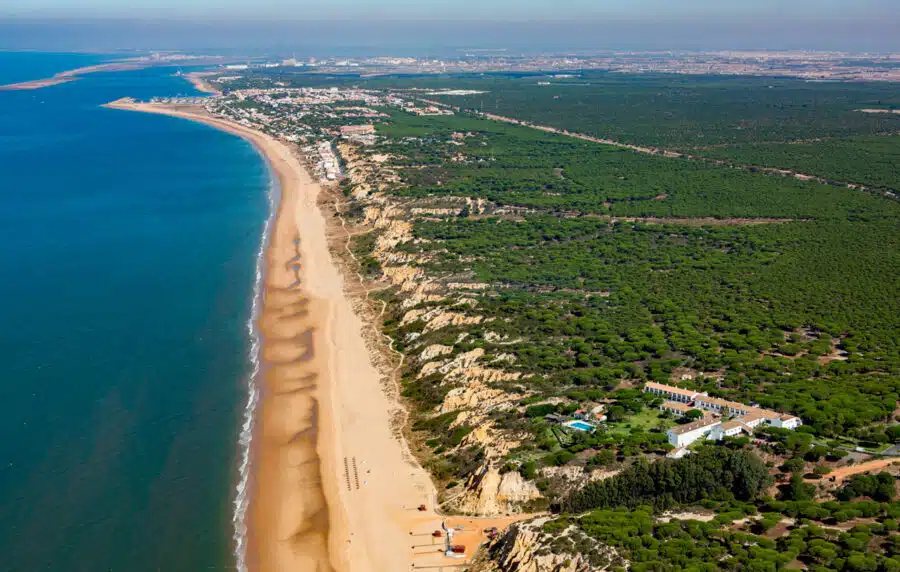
(332, 486)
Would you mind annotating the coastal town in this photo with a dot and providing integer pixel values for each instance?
(314, 119)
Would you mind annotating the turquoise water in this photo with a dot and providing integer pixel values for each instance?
(128, 245)
(580, 425)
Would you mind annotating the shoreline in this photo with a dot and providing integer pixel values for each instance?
(200, 84)
(75, 74)
(286, 525)
(196, 78)
(330, 486)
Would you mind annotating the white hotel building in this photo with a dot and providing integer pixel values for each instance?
(744, 418)
(670, 392)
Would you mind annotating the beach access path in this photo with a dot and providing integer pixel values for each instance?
(332, 485)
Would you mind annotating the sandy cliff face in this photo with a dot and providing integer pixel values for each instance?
(525, 547)
(431, 310)
(489, 493)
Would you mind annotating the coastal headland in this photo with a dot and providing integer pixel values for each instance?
(333, 486)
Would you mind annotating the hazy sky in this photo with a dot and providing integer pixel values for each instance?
(518, 10)
(428, 25)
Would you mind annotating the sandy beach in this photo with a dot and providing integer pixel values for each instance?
(36, 84)
(200, 84)
(332, 487)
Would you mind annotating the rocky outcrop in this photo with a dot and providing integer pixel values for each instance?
(433, 351)
(444, 319)
(397, 232)
(438, 318)
(490, 493)
(494, 443)
(405, 277)
(525, 547)
(476, 394)
(457, 365)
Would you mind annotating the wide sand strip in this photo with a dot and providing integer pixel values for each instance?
(332, 487)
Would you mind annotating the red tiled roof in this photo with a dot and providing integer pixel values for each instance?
(670, 389)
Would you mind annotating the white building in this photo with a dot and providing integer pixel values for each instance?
(675, 408)
(786, 422)
(684, 435)
(670, 392)
(729, 429)
(752, 419)
(757, 416)
(722, 406)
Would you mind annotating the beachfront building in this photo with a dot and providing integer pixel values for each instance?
(671, 392)
(684, 435)
(675, 408)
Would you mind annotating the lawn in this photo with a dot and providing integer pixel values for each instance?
(647, 419)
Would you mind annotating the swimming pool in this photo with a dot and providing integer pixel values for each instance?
(580, 425)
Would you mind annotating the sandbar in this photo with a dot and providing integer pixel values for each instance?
(72, 75)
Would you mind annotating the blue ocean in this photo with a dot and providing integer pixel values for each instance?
(128, 249)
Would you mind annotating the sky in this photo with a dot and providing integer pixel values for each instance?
(850, 25)
(517, 10)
